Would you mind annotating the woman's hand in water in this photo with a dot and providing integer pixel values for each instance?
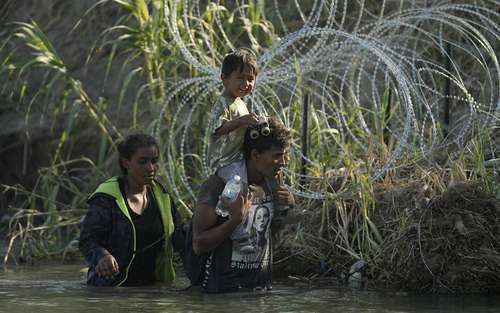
(107, 266)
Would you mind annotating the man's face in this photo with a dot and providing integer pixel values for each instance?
(238, 84)
(271, 161)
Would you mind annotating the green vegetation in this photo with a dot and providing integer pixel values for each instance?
(387, 181)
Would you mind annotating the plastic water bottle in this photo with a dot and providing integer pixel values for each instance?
(232, 188)
(231, 191)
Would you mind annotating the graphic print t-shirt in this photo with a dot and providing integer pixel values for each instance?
(228, 269)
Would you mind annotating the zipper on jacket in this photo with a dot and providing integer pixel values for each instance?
(133, 254)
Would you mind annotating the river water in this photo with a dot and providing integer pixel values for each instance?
(61, 288)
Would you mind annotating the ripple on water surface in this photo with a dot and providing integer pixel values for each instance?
(58, 289)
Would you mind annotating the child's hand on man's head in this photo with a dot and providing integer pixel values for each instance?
(248, 119)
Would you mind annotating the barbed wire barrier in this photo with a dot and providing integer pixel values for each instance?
(376, 81)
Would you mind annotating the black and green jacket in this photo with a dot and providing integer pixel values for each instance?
(108, 229)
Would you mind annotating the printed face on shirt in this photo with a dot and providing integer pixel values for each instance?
(271, 161)
(259, 222)
(261, 218)
(238, 84)
(143, 165)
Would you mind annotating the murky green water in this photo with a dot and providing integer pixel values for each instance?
(61, 289)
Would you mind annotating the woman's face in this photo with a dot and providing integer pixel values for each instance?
(143, 165)
(261, 217)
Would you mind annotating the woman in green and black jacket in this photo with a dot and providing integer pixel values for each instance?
(132, 228)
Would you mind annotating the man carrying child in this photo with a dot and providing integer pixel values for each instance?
(229, 121)
(265, 153)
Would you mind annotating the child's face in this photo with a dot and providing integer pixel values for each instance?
(238, 84)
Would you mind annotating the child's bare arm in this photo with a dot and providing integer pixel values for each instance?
(231, 125)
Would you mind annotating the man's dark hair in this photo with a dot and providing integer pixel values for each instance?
(131, 144)
(279, 136)
(237, 60)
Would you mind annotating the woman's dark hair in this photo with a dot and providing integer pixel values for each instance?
(237, 60)
(279, 136)
(128, 147)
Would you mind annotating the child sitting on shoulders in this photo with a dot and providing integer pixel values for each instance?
(229, 121)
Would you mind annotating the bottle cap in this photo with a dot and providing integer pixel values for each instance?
(237, 178)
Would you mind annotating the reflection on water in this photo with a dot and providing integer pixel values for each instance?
(61, 289)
